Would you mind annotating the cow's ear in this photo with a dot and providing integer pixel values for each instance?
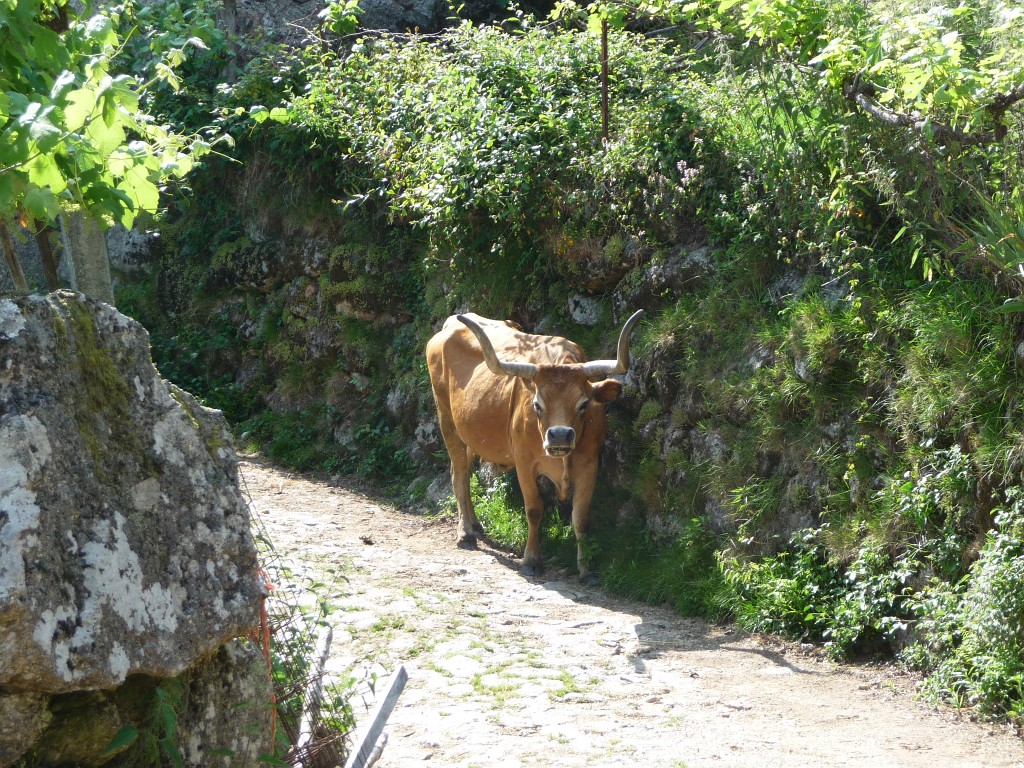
(607, 390)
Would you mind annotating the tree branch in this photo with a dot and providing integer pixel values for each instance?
(1004, 101)
(861, 94)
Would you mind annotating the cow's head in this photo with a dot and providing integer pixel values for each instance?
(562, 394)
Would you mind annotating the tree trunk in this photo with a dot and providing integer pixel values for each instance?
(49, 263)
(86, 250)
(17, 275)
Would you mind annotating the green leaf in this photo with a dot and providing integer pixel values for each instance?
(47, 48)
(6, 191)
(42, 204)
(199, 148)
(19, 102)
(64, 81)
(914, 85)
(143, 192)
(279, 115)
(80, 107)
(100, 29)
(1010, 306)
(166, 73)
(122, 739)
(37, 119)
(119, 162)
(178, 166)
(124, 89)
(106, 138)
(109, 105)
(43, 172)
(170, 750)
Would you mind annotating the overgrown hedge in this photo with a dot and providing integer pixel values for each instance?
(831, 439)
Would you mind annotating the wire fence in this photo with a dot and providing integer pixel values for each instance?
(313, 720)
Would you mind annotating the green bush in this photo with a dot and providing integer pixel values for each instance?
(792, 592)
(841, 374)
(678, 571)
(490, 142)
(971, 633)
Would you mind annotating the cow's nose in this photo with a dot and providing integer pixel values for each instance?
(560, 440)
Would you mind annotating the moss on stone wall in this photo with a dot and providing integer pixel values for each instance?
(102, 411)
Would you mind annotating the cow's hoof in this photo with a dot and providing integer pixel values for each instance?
(590, 579)
(467, 541)
(532, 568)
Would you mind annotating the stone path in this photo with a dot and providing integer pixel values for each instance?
(513, 672)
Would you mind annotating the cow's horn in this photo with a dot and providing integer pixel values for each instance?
(500, 367)
(598, 369)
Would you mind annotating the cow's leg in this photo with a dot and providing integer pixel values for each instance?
(470, 522)
(532, 564)
(583, 492)
(462, 462)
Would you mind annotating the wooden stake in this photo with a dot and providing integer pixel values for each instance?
(363, 749)
(604, 81)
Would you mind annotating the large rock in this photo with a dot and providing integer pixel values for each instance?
(228, 689)
(23, 717)
(293, 21)
(661, 280)
(124, 541)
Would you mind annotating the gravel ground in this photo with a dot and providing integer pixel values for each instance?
(509, 671)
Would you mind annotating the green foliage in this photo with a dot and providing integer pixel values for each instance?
(299, 610)
(304, 439)
(341, 16)
(168, 702)
(679, 571)
(153, 739)
(500, 511)
(789, 593)
(959, 375)
(996, 239)
(841, 375)
(857, 610)
(487, 139)
(71, 129)
(124, 737)
(917, 528)
(970, 632)
(942, 61)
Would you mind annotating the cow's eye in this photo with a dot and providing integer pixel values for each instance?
(583, 406)
(538, 407)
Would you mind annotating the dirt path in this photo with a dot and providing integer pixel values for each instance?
(507, 671)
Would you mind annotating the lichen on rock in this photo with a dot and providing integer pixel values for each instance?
(124, 540)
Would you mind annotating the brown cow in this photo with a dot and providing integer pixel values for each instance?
(524, 401)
